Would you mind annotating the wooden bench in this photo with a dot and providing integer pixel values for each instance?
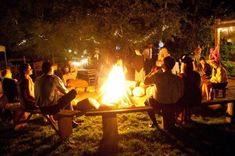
(65, 118)
(222, 101)
(230, 106)
(109, 122)
(168, 116)
(218, 93)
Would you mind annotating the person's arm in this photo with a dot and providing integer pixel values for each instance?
(149, 79)
(60, 85)
(28, 95)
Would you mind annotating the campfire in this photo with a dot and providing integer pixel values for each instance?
(114, 91)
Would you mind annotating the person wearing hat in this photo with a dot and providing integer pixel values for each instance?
(192, 87)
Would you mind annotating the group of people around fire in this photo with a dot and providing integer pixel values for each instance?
(175, 86)
(169, 83)
(48, 93)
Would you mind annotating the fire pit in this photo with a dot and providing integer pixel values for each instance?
(114, 98)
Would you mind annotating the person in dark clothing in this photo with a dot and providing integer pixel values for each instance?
(9, 86)
(10, 92)
(204, 69)
(192, 88)
(150, 57)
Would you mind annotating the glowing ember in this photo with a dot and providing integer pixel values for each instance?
(114, 90)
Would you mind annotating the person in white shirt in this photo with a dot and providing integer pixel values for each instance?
(150, 57)
(50, 93)
(169, 89)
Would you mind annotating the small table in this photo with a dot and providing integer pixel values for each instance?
(110, 129)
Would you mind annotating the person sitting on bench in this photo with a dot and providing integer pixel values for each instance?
(9, 86)
(10, 92)
(219, 78)
(192, 88)
(48, 91)
(169, 90)
(26, 88)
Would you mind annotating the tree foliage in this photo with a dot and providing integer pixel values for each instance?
(44, 28)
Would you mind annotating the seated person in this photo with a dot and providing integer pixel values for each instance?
(169, 90)
(10, 92)
(9, 86)
(204, 69)
(26, 87)
(219, 78)
(48, 91)
(70, 79)
(205, 72)
(192, 87)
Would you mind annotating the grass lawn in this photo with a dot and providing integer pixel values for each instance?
(207, 136)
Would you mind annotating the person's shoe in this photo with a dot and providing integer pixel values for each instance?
(74, 124)
(20, 126)
(153, 126)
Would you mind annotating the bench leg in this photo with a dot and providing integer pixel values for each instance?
(216, 93)
(65, 126)
(224, 93)
(230, 112)
(110, 134)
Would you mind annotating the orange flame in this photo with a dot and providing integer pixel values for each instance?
(114, 90)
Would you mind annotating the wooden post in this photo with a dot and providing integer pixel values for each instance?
(230, 112)
(110, 134)
(65, 126)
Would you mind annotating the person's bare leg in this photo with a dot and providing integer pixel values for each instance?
(207, 92)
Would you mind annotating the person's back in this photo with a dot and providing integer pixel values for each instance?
(192, 90)
(169, 88)
(192, 83)
(46, 89)
(50, 93)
